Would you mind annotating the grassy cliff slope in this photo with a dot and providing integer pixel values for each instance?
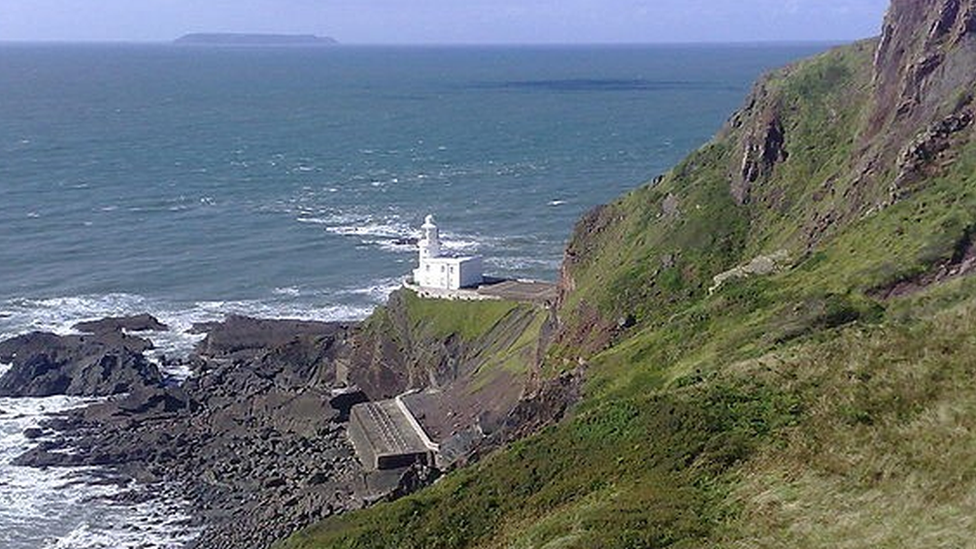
(779, 334)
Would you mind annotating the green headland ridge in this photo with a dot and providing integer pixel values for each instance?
(777, 338)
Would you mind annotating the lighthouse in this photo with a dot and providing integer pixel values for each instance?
(442, 270)
(430, 239)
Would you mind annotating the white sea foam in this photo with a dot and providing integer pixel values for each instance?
(391, 233)
(4, 368)
(377, 293)
(62, 507)
(515, 264)
(156, 524)
(290, 291)
(387, 229)
(59, 315)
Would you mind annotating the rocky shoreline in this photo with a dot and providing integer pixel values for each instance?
(254, 440)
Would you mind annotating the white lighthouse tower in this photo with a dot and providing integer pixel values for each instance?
(440, 270)
(430, 239)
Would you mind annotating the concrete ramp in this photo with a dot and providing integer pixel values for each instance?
(385, 438)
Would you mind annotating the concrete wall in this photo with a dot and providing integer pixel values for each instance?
(360, 440)
(471, 273)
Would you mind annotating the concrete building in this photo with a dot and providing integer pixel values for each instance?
(441, 270)
(386, 436)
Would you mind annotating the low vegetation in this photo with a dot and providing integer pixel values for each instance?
(808, 407)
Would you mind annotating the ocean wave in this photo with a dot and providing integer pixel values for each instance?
(157, 524)
(290, 291)
(72, 507)
(392, 234)
(378, 292)
(59, 315)
(515, 264)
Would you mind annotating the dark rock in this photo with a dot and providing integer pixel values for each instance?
(626, 321)
(764, 145)
(240, 333)
(406, 241)
(250, 440)
(135, 323)
(155, 400)
(342, 400)
(103, 364)
(33, 433)
(318, 478)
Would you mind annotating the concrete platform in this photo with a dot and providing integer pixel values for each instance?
(384, 437)
(521, 290)
(526, 291)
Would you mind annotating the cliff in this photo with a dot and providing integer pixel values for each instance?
(776, 333)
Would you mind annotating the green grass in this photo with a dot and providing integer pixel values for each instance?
(647, 465)
(789, 410)
(468, 320)
(810, 445)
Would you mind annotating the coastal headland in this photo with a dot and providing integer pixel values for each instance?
(770, 345)
(256, 438)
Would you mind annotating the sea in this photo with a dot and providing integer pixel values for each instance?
(195, 182)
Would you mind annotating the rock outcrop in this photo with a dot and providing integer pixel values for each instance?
(102, 364)
(250, 439)
(256, 438)
(763, 144)
(921, 80)
(134, 323)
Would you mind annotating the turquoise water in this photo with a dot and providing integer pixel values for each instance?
(199, 181)
(194, 182)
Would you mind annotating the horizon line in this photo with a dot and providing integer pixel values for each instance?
(340, 44)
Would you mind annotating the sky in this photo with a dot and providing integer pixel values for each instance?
(448, 21)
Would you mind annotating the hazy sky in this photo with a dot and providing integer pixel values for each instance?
(448, 21)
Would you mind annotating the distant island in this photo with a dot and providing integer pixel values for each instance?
(244, 39)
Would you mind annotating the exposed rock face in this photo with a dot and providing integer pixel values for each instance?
(595, 334)
(924, 76)
(915, 70)
(763, 145)
(927, 153)
(393, 357)
(544, 406)
(135, 323)
(962, 263)
(240, 334)
(92, 365)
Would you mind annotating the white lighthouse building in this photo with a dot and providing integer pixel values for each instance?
(442, 270)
